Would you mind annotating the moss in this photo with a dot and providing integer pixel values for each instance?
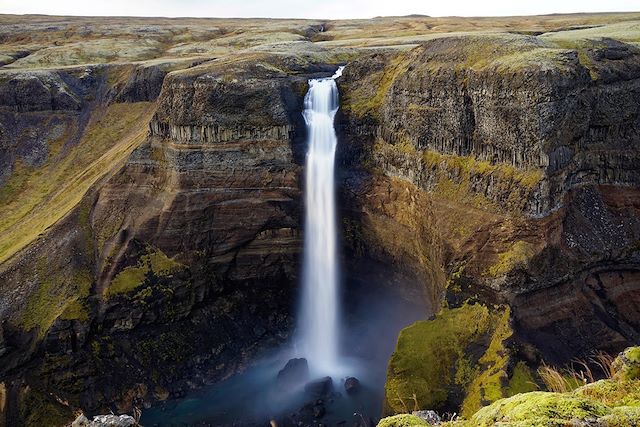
(455, 178)
(361, 104)
(538, 409)
(154, 262)
(519, 253)
(612, 392)
(624, 416)
(403, 420)
(37, 409)
(489, 384)
(425, 354)
(432, 361)
(611, 402)
(541, 58)
(627, 364)
(586, 62)
(58, 294)
(75, 310)
(521, 380)
(467, 166)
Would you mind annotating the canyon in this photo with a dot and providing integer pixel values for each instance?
(152, 187)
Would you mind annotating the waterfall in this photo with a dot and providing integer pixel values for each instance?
(319, 317)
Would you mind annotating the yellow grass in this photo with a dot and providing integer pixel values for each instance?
(36, 198)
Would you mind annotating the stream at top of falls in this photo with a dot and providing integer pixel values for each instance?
(357, 341)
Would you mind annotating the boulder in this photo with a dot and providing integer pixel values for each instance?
(319, 411)
(430, 417)
(294, 373)
(352, 385)
(319, 387)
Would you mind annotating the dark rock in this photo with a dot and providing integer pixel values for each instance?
(81, 421)
(352, 385)
(319, 411)
(144, 84)
(319, 387)
(294, 373)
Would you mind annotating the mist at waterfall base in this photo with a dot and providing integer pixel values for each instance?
(336, 341)
(253, 398)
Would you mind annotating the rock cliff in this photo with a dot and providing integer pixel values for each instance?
(527, 155)
(188, 251)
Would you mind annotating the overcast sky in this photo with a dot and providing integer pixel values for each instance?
(330, 9)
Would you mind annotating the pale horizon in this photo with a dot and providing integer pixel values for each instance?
(328, 9)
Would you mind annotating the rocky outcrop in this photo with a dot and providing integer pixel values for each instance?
(143, 83)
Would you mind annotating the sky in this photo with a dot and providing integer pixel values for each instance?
(315, 9)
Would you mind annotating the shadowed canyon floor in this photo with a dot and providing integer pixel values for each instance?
(152, 218)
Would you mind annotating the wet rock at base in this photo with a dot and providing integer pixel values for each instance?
(352, 385)
(294, 373)
(319, 411)
(319, 387)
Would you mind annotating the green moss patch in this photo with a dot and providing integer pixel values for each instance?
(627, 364)
(538, 409)
(492, 377)
(403, 420)
(360, 102)
(519, 253)
(455, 178)
(521, 380)
(611, 403)
(461, 351)
(58, 294)
(612, 393)
(155, 262)
(36, 409)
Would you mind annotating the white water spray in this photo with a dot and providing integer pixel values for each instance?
(320, 306)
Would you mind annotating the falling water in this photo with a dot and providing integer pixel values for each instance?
(320, 306)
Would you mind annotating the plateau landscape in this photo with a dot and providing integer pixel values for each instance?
(395, 221)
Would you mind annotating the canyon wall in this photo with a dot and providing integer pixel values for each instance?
(528, 157)
(187, 251)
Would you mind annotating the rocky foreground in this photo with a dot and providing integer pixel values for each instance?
(150, 209)
(609, 402)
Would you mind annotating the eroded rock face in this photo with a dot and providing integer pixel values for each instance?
(190, 250)
(574, 121)
(528, 171)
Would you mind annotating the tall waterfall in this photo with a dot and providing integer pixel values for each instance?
(320, 305)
